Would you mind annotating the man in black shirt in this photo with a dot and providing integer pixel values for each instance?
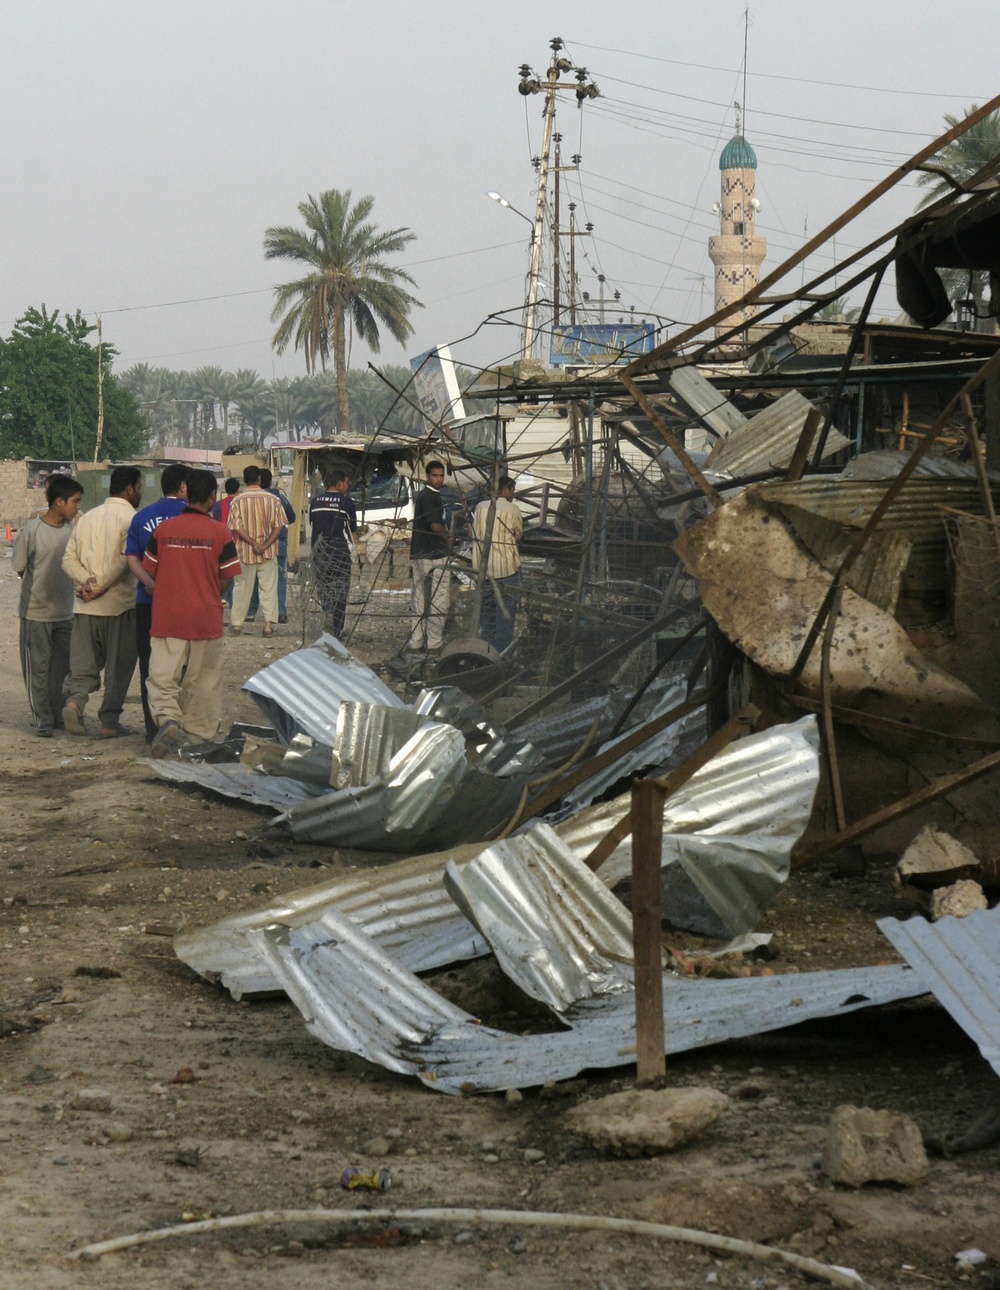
(334, 521)
(430, 548)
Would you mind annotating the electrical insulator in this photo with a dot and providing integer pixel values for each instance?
(526, 87)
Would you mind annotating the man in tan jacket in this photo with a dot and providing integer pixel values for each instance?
(104, 610)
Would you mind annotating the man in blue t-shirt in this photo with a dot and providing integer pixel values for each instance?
(334, 521)
(173, 485)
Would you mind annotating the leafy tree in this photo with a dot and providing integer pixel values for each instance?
(48, 393)
(345, 279)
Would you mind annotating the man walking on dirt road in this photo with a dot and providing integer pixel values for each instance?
(103, 637)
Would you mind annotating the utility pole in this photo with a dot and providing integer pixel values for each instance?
(573, 234)
(584, 89)
(557, 233)
(100, 389)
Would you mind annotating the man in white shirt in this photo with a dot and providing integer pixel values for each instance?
(503, 563)
(104, 610)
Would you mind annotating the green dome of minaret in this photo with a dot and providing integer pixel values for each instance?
(738, 155)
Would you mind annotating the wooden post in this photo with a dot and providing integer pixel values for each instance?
(647, 838)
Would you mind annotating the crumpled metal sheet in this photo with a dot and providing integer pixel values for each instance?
(709, 405)
(770, 438)
(560, 732)
(402, 906)
(958, 959)
(654, 752)
(730, 829)
(368, 737)
(497, 749)
(356, 998)
(429, 796)
(231, 779)
(555, 928)
(886, 463)
(302, 692)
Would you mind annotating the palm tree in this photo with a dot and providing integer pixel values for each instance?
(345, 277)
(838, 309)
(961, 159)
(964, 156)
(249, 397)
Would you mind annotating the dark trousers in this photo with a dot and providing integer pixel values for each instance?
(495, 625)
(99, 645)
(332, 571)
(44, 648)
(143, 645)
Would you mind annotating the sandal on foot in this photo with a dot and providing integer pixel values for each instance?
(73, 719)
(268, 630)
(114, 732)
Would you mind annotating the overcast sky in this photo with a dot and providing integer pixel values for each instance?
(147, 146)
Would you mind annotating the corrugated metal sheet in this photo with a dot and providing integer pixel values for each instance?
(429, 796)
(770, 438)
(958, 960)
(886, 463)
(654, 752)
(499, 751)
(556, 930)
(356, 998)
(915, 513)
(233, 780)
(402, 906)
(368, 737)
(710, 406)
(730, 829)
(559, 732)
(302, 692)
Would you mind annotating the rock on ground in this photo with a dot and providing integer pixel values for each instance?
(934, 859)
(959, 899)
(646, 1122)
(865, 1146)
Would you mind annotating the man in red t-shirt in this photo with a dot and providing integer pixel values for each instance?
(192, 560)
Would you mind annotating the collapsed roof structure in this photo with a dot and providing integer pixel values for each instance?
(706, 503)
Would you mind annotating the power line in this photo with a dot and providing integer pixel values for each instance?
(774, 76)
(783, 116)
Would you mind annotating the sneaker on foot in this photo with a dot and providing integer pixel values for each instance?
(168, 738)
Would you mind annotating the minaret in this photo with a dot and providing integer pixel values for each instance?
(736, 253)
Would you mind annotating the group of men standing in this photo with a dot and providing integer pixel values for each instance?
(496, 532)
(120, 585)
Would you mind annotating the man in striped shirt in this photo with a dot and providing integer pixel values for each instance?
(256, 518)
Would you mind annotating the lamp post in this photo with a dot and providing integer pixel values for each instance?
(532, 296)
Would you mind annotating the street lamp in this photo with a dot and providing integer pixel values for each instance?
(532, 296)
(505, 203)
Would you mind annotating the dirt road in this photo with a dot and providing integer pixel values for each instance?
(99, 858)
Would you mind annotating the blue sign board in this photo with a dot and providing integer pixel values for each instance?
(600, 344)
